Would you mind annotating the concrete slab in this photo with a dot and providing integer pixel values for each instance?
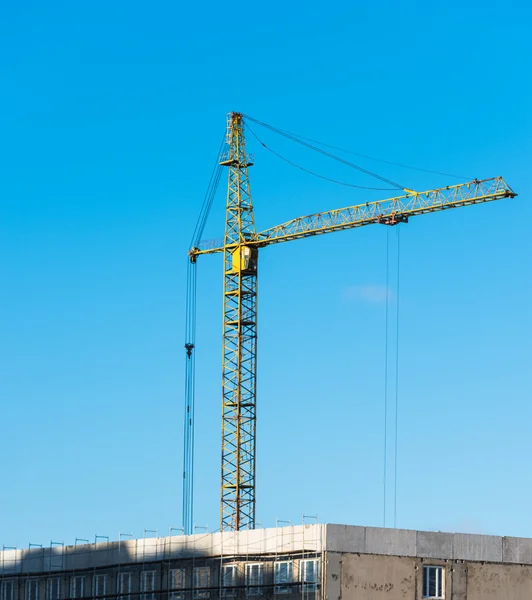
(345, 538)
(517, 550)
(398, 542)
(477, 547)
(10, 561)
(432, 544)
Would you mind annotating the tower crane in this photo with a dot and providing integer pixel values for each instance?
(241, 245)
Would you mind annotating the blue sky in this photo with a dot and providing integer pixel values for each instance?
(111, 116)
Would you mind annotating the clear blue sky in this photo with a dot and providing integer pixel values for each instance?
(111, 115)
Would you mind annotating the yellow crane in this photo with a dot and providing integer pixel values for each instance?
(240, 247)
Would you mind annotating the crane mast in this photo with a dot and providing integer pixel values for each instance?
(240, 248)
(239, 355)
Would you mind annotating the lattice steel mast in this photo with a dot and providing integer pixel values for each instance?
(239, 340)
(240, 248)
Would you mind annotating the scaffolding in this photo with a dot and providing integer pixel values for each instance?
(247, 564)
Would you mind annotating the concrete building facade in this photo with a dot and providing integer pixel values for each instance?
(330, 562)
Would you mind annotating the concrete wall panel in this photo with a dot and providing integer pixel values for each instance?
(477, 547)
(399, 542)
(434, 545)
(345, 538)
(456, 581)
(366, 577)
(499, 582)
(10, 561)
(333, 566)
(517, 550)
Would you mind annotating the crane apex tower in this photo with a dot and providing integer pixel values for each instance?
(239, 340)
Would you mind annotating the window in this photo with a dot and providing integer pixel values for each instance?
(99, 585)
(254, 579)
(228, 580)
(147, 585)
(8, 589)
(282, 576)
(54, 588)
(308, 572)
(176, 584)
(124, 586)
(433, 584)
(32, 589)
(77, 587)
(202, 581)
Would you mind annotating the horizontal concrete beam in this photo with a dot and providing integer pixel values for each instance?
(428, 544)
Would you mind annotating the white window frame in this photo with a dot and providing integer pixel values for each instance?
(440, 581)
(73, 580)
(257, 589)
(51, 582)
(174, 592)
(97, 578)
(32, 588)
(122, 578)
(283, 587)
(226, 569)
(201, 592)
(145, 577)
(8, 584)
(309, 586)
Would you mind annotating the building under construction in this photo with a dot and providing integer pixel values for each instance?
(306, 561)
(310, 561)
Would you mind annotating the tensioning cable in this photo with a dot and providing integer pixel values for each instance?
(361, 155)
(292, 135)
(364, 187)
(328, 154)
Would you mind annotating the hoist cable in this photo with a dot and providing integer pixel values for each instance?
(190, 344)
(188, 437)
(387, 415)
(385, 462)
(209, 197)
(325, 153)
(396, 376)
(312, 172)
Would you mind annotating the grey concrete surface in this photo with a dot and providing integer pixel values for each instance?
(467, 546)
(434, 544)
(427, 544)
(392, 542)
(517, 550)
(346, 538)
(311, 538)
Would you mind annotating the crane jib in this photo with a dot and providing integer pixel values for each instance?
(387, 212)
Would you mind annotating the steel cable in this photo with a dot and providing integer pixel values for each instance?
(396, 377)
(190, 344)
(385, 462)
(382, 160)
(325, 153)
(364, 187)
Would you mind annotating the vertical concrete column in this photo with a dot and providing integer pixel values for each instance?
(332, 576)
(456, 587)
